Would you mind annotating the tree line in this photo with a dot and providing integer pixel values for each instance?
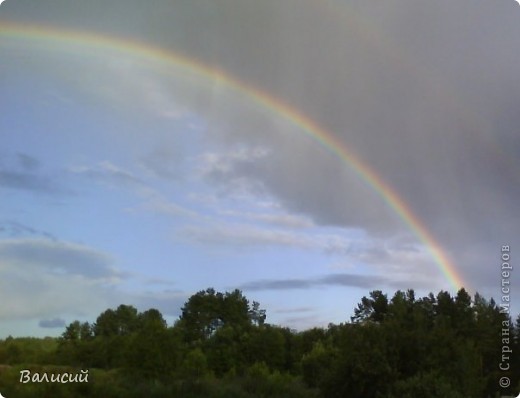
(221, 346)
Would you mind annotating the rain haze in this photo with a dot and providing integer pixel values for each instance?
(303, 152)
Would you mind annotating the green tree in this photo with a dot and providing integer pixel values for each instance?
(235, 309)
(123, 321)
(154, 350)
(74, 344)
(488, 327)
(202, 315)
(405, 334)
(225, 350)
(195, 365)
(373, 308)
(464, 316)
(316, 364)
(76, 331)
(426, 385)
(360, 365)
(256, 314)
(112, 333)
(207, 311)
(72, 331)
(267, 345)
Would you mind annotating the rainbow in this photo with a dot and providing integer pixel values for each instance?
(89, 40)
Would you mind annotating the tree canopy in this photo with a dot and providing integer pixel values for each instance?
(221, 345)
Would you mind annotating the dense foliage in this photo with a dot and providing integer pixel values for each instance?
(221, 346)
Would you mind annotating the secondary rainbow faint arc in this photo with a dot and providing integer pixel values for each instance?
(46, 34)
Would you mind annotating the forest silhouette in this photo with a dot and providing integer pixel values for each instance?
(221, 346)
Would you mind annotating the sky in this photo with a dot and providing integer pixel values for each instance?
(303, 152)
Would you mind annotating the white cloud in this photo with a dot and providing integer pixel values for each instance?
(53, 280)
(157, 203)
(220, 169)
(108, 173)
(152, 199)
(249, 235)
(125, 82)
(58, 258)
(42, 278)
(277, 219)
